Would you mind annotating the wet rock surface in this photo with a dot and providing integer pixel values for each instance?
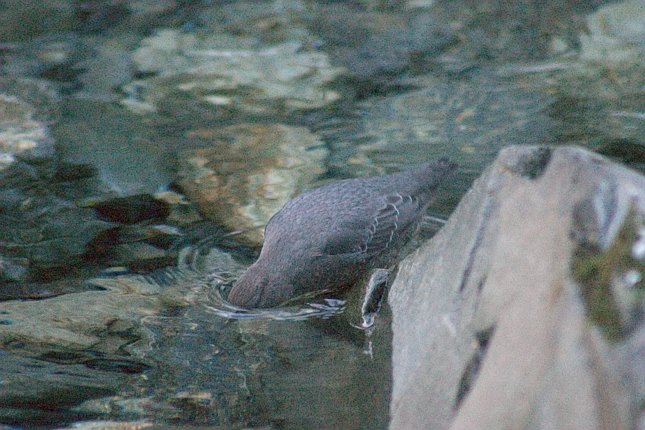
(535, 322)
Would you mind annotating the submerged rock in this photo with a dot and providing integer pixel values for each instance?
(129, 155)
(600, 97)
(132, 209)
(44, 235)
(36, 391)
(230, 72)
(467, 120)
(24, 129)
(105, 319)
(249, 173)
(377, 45)
(616, 33)
(527, 307)
(574, 96)
(26, 19)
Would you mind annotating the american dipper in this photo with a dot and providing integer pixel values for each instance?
(328, 238)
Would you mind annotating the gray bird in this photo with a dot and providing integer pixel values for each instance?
(328, 238)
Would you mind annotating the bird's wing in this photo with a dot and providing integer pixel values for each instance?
(375, 234)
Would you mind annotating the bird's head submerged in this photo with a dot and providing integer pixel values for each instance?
(260, 287)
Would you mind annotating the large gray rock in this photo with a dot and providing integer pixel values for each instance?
(525, 311)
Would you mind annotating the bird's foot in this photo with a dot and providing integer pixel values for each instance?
(375, 291)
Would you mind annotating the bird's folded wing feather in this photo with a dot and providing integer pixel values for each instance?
(375, 234)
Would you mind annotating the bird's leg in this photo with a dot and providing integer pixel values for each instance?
(374, 294)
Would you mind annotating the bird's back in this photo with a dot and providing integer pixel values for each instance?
(351, 215)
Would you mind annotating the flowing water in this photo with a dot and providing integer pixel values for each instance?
(114, 258)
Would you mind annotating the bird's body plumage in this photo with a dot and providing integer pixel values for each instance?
(327, 238)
